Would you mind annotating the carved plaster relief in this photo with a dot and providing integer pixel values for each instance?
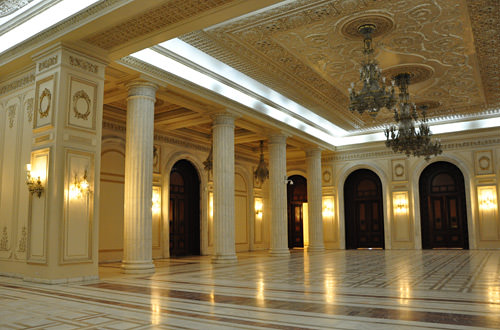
(29, 108)
(44, 102)
(483, 162)
(4, 240)
(82, 103)
(22, 240)
(12, 115)
(154, 19)
(8, 7)
(399, 172)
(307, 51)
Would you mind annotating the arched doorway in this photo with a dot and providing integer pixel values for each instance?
(184, 210)
(364, 219)
(442, 207)
(297, 196)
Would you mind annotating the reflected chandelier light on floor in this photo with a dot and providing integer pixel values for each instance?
(261, 173)
(405, 137)
(373, 96)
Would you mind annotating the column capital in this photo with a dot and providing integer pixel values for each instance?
(313, 152)
(223, 118)
(277, 138)
(141, 88)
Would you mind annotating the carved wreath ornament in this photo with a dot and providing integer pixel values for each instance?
(44, 112)
(79, 96)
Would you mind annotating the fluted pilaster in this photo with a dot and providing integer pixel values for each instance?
(137, 249)
(277, 189)
(314, 199)
(223, 175)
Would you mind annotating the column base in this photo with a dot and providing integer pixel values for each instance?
(284, 252)
(225, 259)
(138, 267)
(315, 248)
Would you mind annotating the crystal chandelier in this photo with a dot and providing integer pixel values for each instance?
(261, 173)
(405, 138)
(373, 96)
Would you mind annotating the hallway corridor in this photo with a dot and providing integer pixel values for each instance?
(337, 289)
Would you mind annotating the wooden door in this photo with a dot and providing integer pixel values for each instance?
(442, 207)
(297, 196)
(177, 216)
(184, 210)
(364, 220)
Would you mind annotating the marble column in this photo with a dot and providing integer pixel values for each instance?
(137, 247)
(223, 177)
(314, 199)
(278, 201)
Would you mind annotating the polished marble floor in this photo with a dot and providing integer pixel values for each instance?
(439, 289)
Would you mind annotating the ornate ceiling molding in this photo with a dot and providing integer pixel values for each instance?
(485, 21)
(301, 50)
(8, 7)
(152, 20)
(58, 29)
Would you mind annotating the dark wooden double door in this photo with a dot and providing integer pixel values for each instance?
(364, 220)
(296, 196)
(442, 207)
(184, 210)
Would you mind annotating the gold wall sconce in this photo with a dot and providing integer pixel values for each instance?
(35, 186)
(487, 198)
(80, 187)
(400, 203)
(327, 211)
(258, 208)
(156, 197)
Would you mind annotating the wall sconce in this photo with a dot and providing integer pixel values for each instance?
(34, 185)
(327, 207)
(400, 203)
(79, 187)
(156, 197)
(258, 208)
(487, 198)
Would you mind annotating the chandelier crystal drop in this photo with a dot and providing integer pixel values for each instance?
(374, 95)
(405, 138)
(261, 173)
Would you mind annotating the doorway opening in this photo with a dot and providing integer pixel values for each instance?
(364, 219)
(184, 210)
(442, 207)
(296, 196)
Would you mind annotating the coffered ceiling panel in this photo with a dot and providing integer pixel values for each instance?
(310, 51)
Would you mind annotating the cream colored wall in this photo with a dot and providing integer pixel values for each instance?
(16, 113)
(476, 154)
(171, 151)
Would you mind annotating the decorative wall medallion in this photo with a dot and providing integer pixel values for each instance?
(22, 240)
(44, 105)
(81, 105)
(398, 170)
(83, 64)
(4, 241)
(483, 162)
(12, 115)
(327, 176)
(29, 109)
